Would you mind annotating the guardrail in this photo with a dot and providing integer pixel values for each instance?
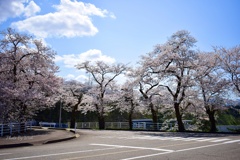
(47, 124)
(125, 125)
(117, 125)
(228, 128)
(11, 128)
(53, 125)
(87, 125)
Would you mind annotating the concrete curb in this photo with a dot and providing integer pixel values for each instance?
(41, 142)
(59, 140)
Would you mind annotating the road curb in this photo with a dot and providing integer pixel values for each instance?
(59, 140)
(27, 144)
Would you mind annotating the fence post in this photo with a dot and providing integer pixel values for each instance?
(19, 127)
(10, 128)
(31, 126)
(1, 129)
(25, 127)
(75, 127)
(144, 125)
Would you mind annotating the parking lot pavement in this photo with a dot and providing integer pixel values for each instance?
(126, 145)
(36, 136)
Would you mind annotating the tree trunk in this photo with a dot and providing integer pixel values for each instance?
(73, 120)
(101, 122)
(130, 121)
(154, 117)
(73, 117)
(130, 115)
(212, 120)
(22, 114)
(181, 127)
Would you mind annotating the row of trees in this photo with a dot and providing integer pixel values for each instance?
(174, 76)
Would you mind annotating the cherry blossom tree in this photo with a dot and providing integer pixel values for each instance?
(148, 87)
(230, 62)
(27, 76)
(211, 84)
(73, 95)
(173, 62)
(129, 100)
(103, 89)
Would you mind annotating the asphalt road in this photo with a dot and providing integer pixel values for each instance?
(126, 145)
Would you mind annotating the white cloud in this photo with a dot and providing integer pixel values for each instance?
(112, 15)
(16, 8)
(31, 9)
(70, 60)
(80, 8)
(80, 78)
(71, 19)
(69, 77)
(121, 79)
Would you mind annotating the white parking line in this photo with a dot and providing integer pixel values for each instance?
(189, 139)
(150, 155)
(199, 139)
(1, 154)
(57, 154)
(182, 139)
(232, 141)
(188, 149)
(207, 139)
(182, 150)
(133, 147)
(221, 140)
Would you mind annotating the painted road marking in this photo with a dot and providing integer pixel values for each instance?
(103, 154)
(193, 148)
(189, 139)
(57, 154)
(232, 141)
(1, 154)
(164, 150)
(178, 138)
(133, 147)
(221, 140)
(207, 139)
(198, 139)
(112, 147)
(145, 156)
(182, 150)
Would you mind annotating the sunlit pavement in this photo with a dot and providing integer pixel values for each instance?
(119, 145)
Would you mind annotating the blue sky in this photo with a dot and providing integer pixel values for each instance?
(119, 30)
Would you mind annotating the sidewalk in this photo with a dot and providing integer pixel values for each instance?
(37, 136)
